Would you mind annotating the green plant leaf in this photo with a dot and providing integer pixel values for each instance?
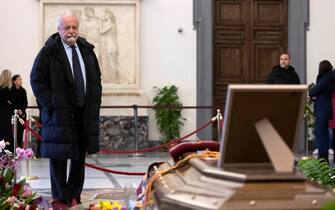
(318, 170)
(8, 175)
(169, 119)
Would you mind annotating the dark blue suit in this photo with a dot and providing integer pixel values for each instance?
(323, 111)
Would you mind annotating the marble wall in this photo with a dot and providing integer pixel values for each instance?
(118, 132)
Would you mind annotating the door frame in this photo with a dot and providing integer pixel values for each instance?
(298, 22)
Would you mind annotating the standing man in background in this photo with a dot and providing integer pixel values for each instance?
(65, 79)
(283, 73)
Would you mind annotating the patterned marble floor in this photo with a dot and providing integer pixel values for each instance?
(95, 181)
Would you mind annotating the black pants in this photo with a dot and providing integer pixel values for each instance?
(66, 188)
(6, 127)
(20, 129)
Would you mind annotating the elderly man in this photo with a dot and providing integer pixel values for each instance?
(65, 79)
(283, 73)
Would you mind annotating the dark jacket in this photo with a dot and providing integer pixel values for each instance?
(280, 75)
(54, 87)
(6, 112)
(323, 92)
(19, 99)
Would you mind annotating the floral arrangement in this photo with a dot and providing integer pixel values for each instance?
(14, 195)
(319, 170)
(107, 205)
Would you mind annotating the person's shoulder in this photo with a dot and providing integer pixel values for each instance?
(331, 76)
(276, 68)
(291, 68)
(52, 40)
(84, 43)
(50, 44)
(22, 89)
(5, 89)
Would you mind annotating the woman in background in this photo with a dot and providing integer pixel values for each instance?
(322, 94)
(20, 102)
(6, 109)
(331, 125)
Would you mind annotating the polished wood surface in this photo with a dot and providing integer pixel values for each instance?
(249, 36)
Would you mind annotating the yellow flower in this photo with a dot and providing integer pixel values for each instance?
(116, 205)
(107, 205)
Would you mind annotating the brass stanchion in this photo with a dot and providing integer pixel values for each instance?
(219, 118)
(14, 126)
(135, 107)
(28, 176)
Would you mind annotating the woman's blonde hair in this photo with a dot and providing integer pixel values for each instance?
(5, 79)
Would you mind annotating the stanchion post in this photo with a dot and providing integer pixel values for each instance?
(14, 126)
(307, 135)
(135, 125)
(29, 125)
(218, 119)
(28, 120)
(135, 107)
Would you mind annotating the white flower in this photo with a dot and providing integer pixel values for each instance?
(8, 152)
(2, 145)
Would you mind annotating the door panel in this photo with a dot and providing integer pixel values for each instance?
(249, 36)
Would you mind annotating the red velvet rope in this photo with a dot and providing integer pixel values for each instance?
(114, 171)
(147, 107)
(221, 123)
(25, 142)
(87, 164)
(37, 124)
(34, 133)
(128, 151)
(151, 149)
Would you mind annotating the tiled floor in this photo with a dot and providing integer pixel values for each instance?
(95, 180)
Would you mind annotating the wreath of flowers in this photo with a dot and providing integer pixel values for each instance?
(15, 195)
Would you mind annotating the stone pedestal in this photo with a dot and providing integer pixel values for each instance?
(117, 125)
(118, 132)
(124, 98)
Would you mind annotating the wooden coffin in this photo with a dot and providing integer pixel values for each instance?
(256, 168)
(200, 185)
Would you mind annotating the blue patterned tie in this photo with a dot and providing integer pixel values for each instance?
(78, 77)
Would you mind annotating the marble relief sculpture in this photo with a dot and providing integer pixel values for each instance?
(109, 49)
(102, 31)
(113, 28)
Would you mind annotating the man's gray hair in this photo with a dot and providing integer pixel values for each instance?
(59, 18)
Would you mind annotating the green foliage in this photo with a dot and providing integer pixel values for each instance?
(309, 112)
(14, 195)
(168, 113)
(329, 205)
(318, 170)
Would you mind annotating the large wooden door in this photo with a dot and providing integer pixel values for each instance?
(249, 36)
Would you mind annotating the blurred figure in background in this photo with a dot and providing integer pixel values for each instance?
(331, 124)
(6, 109)
(322, 95)
(283, 73)
(19, 102)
